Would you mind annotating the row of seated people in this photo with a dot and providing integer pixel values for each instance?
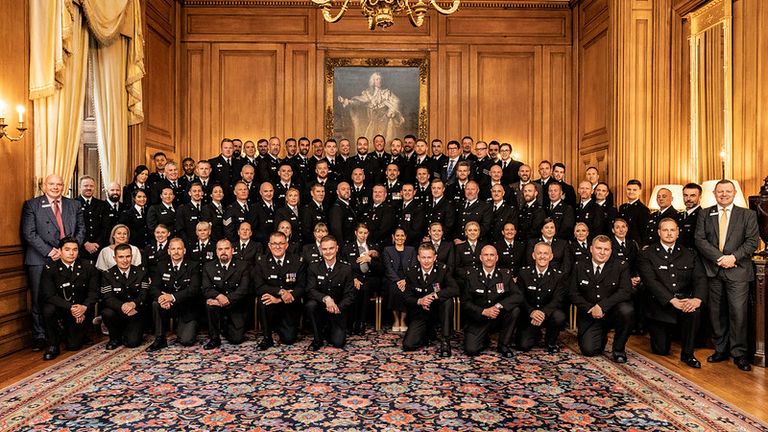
(509, 287)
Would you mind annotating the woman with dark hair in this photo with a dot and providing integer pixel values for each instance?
(135, 218)
(397, 259)
(213, 212)
(139, 182)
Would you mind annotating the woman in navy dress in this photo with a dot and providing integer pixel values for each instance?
(397, 259)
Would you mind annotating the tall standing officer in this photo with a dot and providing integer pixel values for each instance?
(125, 289)
(95, 217)
(69, 289)
(726, 237)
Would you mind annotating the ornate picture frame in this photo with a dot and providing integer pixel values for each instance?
(369, 96)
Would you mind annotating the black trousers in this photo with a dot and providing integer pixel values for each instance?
(185, 313)
(661, 333)
(129, 329)
(324, 323)
(728, 313)
(74, 333)
(528, 334)
(593, 333)
(440, 314)
(359, 312)
(233, 318)
(282, 319)
(477, 331)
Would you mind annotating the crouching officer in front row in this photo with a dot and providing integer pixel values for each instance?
(492, 301)
(544, 290)
(69, 290)
(125, 289)
(429, 293)
(279, 281)
(225, 283)
(677, 284)
(175, 292)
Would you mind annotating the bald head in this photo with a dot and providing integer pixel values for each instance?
(53, 186)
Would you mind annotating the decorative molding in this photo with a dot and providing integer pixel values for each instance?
(498, 4)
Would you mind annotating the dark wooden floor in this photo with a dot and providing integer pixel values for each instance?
(747, 390)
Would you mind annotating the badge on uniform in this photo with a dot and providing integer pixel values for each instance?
(663, 267)
(436, 287)
(46, 206)
(274, 276)
(65, 284)
(532, 287)
(209, 255)
(365, 200)
(166, 276)
(407, 217)
(499, 288)
(217, 278)
(585, 282)
(320, 277)
(290, 277)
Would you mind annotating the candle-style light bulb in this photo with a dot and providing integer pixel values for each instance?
(3, 106)
(20, 110)
(722, 155)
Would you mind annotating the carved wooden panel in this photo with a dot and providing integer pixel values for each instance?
(195, 107)
(247, 24)
(301, 116)
(594, 86)
(508, 26)
(453, 92)
(159, 86)
(556, 103)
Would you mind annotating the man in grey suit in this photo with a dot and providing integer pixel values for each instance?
(44, 221)
(726, 237)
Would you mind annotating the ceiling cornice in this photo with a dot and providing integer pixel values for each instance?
(473, 4)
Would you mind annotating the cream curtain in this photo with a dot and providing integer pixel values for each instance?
(58, 71)
(105, 18)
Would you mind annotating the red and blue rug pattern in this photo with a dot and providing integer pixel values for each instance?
(370, 385)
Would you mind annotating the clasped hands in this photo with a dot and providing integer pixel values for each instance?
(78, 312)
(427, 300)
(727, 261)
(129, 308)
(686, 305)
(220, 300)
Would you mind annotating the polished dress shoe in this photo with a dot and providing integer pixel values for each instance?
(619, 358)
(506, 352)
(554, 348)
(158, 344)
(38, 344)
(112, 344)
(691, 361)
(51, 353)
(742, 363)
(212, 344)
(445, 349)
(717, 357)
(315, 345)
(265, 344)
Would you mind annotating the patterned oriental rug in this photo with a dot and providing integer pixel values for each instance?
(372, 385)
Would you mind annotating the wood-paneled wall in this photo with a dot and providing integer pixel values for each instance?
(17, 186)
(495, 72)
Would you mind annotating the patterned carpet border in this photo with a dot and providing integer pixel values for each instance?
(373, 385)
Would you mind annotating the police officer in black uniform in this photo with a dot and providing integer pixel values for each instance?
(96, 218)
(635, 212)
(687, 218)
(163, 213)
(560, 212)
(190, 213)
(492, 302)
(313, 212)
(279, 279)
(531, 216)
(440, 209)
(203, 249)
(544, 289)
(366, 270)
(474, 210)
(676, 283)
(429, 293)
(410, 216)
(175, 292)
(601, 290)
(342, 218)
(379, 217)
(511, 251)
(664, 200)
(225, 285)
(238, 212)
(125, 289)
(330, 295)
(69, 290)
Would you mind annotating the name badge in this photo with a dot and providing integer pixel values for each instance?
(166, 277)
(711, 214)
(499, 288)
(531, 287)
(662, 267)
(66, 284)
(216, 278)
(585, 282)
(117, 289)
(480, 291)
(321, 278)
(467, 252)
(193, 218)
(273, 276)
(46, 206)
(139, 217)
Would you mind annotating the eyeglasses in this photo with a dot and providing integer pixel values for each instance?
(481, 148)
(277, 243)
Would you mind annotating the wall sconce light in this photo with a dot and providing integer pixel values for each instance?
(20, 128)
(723, 155)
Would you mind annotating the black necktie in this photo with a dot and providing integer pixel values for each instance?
(597, 270)
(175, 268)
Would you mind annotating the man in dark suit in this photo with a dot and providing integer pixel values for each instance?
(687, 218)
(561, 213)
(342, 218)
(410, 217)
(114, 205)
(69, 290)
(492, 301)
(225, 169)
(263, 220)
(125, 289)
(664, 200)
(610, 213)
(569, 194)
(726, 237)
(503, 213)
(175, 292)
(544, 291)
(44, 221)
(466, 149)
(171, 181)
(368, 163)
(441, 209)
(429, 293)
(226, 287)
(635, 212)
(330, 295)
(271, 162)
(589, 212)
(474, 210)
(300, 162)
(96, 219)
(189, 214)
(379, 217)
(238, 212)
(313, 213)
(509, 166)
(449, 164)
(531, 216)
(279, 282)
(248, 176)
(159, 159)
(676, 283)
(511, 251)
(601, 289)
(524, 175)
(438, 157)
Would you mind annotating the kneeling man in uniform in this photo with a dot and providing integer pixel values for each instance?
(125, 288)
(225, 287)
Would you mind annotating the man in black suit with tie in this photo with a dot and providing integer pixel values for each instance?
(545, 175)
(448, 167)
(589, 212)
(175, 292)
(676, 285)
(125, 289)
(44, 221)
(171, 181)
(509, 166)
(189, 214)
(238, 212)
(635, 212)
(569, 194)
(330, 295)
(226, 287)
(96, 219)
(561, 213)
(664, 200)
(600, 289)
(531, 216)
(342, 218)
(410, 217)
(687, 218)
(503, 213)
(225, 169)
(441, 209)
(474, 210)
(726, 237)
(380, 217)
(492, 301)
(429, 293)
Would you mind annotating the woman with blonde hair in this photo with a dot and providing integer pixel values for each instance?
(120, 234)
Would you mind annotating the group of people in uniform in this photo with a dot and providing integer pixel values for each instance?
(308, 234)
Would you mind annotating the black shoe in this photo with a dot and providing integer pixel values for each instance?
(315, 345)
(619, 357)
(717, 357)
(742, 363)
(212, 344)
(158, 344)
(553, 348)
(506, 352)
(691, 361)
(51, 353)
(265, 344)
(112, 344)
(38, 344)
(445, 349)
(361, 330)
